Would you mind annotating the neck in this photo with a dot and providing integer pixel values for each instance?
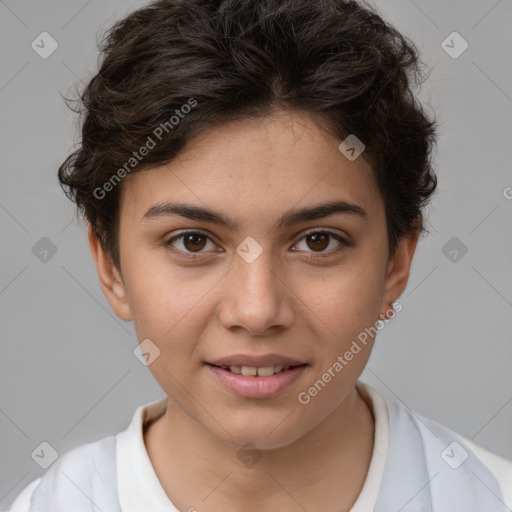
(324, 469)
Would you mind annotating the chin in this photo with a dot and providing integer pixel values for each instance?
(271, 434)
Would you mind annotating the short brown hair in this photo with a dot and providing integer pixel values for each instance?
(244, 59)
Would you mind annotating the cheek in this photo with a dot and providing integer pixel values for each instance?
(345, 305)
(170, 307)
(161, 295)
(346, 299)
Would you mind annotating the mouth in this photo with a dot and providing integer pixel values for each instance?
(257, 371)
(256, 381)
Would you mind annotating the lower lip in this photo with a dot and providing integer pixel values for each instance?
(254, 386)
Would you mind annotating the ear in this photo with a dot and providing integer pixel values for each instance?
(398, 270)
(110, 279)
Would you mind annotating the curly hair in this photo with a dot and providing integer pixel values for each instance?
(240, 59)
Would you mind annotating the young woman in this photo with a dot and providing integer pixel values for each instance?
(253, 175)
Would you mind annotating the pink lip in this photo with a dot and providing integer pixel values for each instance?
(254, 386)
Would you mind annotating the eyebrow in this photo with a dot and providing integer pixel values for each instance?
(291, 217)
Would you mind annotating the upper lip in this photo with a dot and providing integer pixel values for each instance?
(256, 361)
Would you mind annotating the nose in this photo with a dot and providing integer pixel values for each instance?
(257, 299)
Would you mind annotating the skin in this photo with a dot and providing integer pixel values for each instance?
(313, 456)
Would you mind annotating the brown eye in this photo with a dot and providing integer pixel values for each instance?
(189, 243)
(194, 242)
(316, 242)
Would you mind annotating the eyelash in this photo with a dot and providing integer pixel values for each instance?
(197, 256)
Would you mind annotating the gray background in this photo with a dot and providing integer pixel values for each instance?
(68, 373)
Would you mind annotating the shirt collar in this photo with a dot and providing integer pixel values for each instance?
(367, 498)
(138, 486)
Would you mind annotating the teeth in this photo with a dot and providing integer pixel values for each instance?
(262, 371)
(265, 371)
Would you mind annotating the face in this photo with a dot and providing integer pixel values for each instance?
(235, 279)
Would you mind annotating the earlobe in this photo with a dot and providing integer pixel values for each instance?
(109, 277)
(398, 269)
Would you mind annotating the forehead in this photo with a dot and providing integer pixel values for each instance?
(256, 169)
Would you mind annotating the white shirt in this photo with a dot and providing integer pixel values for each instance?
(139, 490)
